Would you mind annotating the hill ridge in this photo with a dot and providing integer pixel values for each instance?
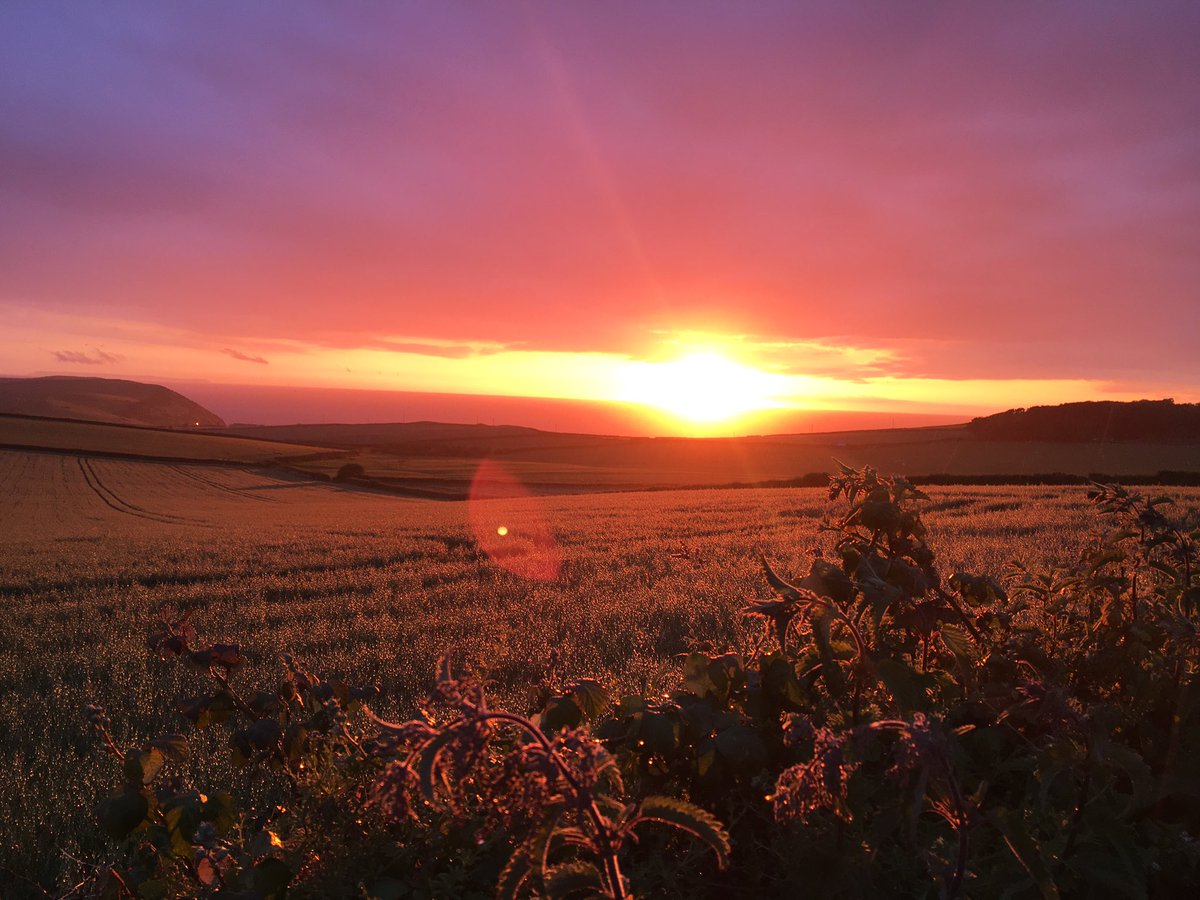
(114, 401)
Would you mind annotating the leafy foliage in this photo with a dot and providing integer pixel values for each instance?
(889, 730)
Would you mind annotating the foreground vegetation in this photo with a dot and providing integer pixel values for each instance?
(368, 594)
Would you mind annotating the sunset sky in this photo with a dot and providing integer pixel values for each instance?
(708, 209)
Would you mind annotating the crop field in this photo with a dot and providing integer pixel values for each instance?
(444, 458)
(22, 431)
(374, 588)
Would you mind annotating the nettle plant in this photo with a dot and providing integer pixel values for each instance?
(892, 731)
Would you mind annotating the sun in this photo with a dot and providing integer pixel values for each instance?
(701, 387)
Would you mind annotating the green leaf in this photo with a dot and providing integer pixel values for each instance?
(152, 889)
(123, 812)
(659, 733)
(173, 746)
(743, 748)
(183, 814)
(830, 670)
(264, 705)
(591, 698)
(727, 673)
(560, 712)
(695, 675)
(878, 592)
(1099, 560)
(220, 810)
(1131, 762)
(515, 873)
(881, 515)
(387, 888)
(1025, 850)
(959, 643)
(779, 680)
(242, 751)
(685, 816)
(901, 682)
(827, 580)
(141, 766)
(573, 877)
(295, 739)
(270, 877)
(263, 734)
(714, 677)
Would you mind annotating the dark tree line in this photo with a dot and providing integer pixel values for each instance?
(1141, 420)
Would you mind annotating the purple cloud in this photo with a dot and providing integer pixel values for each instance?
(95, 358)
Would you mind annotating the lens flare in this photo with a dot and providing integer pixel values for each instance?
(509, 526)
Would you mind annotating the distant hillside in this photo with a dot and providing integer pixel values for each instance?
(1140, 420)
(103, 400)
(376, 434)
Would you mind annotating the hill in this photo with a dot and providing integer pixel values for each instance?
(1139, 420)
(110, 400)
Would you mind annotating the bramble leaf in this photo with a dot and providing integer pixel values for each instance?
(560, 713)
(515, 873)
(572, 878)
(140, 766)
(690, 818)
(901, 682)
(173, 746)
(959, 643)
(219, 809)
(123, 812)
(270, 877)
(1026, 851)
(743, 748)
(591, 698)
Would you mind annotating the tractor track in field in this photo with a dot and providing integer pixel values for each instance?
(200, 479)
(112, 500)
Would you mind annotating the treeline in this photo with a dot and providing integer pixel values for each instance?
(1166, 477)
(1140, 420)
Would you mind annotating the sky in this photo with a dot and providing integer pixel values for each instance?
(707, 209)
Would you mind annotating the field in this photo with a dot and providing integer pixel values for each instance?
(443, 458)
(92, 437)
(375, 587)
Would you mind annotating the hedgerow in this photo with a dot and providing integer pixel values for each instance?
(893, 730)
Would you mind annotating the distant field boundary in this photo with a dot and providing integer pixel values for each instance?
(143, 457)
(164, 428)
(1165, 477)
(459, 490)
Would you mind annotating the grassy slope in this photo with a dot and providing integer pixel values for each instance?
(113, 400)
(94, 437)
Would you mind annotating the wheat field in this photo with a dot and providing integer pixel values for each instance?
(374, 588)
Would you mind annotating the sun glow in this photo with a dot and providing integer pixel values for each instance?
(702, 387)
